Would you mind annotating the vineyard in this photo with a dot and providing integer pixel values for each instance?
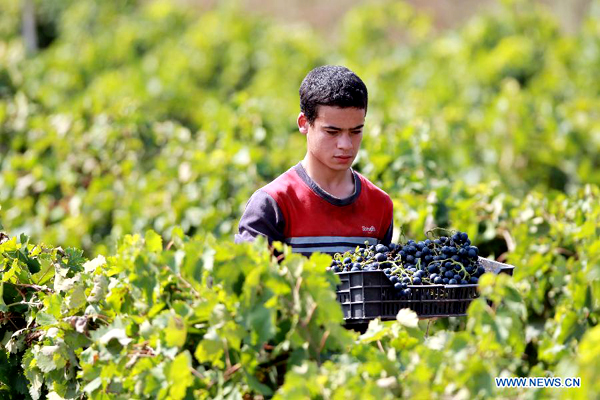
(132, 139)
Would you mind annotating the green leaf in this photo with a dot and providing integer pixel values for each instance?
(176, 332)
(15, 269)
(92, 265)
(10, 245)
(153, 241)
(46, 271)
(34, 376)
(376, 331)
(45, 319)
(180, 375)
(261, 321)
(93, 385)
(210, 349)
(99, 290)
(49, 358)
(76, 298)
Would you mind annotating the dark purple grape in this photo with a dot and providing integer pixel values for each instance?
(380, 248)
(452, 282)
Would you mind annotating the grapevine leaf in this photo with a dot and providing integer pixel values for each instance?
(153, 242)
(91, 265)
(175, 333)
(45, 319)
(48, 358)
(407, 317)
(210, 349)
(180, 375)
(93, 385)
(99, 290)
(46, 271)
(76, 297)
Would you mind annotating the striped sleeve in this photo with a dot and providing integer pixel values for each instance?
(261, 217)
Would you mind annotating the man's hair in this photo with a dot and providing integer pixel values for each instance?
(331, 85)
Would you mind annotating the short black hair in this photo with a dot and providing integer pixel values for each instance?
(331, 85)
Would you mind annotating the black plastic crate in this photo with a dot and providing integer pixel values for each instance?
(366, 295)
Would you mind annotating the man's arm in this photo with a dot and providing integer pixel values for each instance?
(261, 217)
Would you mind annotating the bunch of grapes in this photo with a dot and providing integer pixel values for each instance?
(445, 260)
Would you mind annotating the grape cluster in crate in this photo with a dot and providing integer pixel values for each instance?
(444, 260)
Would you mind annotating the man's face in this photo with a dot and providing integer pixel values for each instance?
(334, 137)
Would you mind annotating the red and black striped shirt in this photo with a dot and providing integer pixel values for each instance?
(293, 209)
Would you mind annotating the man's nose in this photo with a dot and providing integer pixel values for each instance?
(344, 142)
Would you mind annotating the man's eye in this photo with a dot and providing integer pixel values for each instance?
(332, 132)
(356, 132)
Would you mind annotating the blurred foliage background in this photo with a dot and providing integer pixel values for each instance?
(138, 115)
(124, 116)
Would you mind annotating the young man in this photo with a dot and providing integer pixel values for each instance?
(322, 204)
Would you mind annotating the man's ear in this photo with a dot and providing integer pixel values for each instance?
(303, 123)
